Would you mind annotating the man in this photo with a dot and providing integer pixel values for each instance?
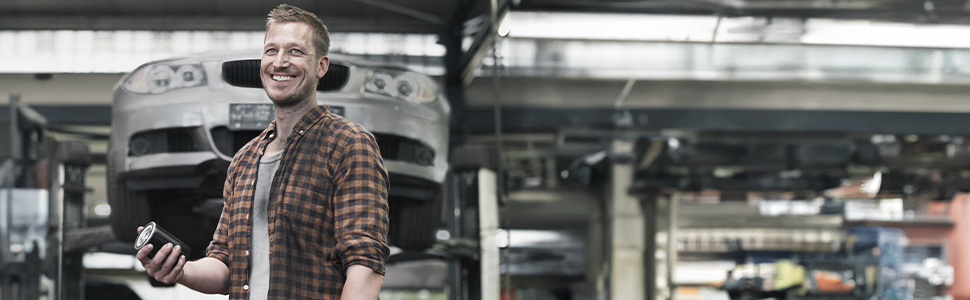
(306, 201)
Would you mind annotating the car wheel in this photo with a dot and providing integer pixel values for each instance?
(414, 223)
(128, 209)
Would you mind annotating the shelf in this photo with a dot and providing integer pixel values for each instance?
(741, 215)
(757, 221)
(919, 221)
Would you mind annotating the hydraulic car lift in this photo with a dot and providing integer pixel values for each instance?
(42, 225)
(472, 220)
(471, 251)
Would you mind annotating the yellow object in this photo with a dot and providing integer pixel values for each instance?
(788, 274)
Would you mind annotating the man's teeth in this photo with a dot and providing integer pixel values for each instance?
(282, 78)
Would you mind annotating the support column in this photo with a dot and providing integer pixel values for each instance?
(473, 221)
(649, 212)
(625, 220)
(68, 169)
(453, 218)
(488, 226)
(597, 265)
(666, 238)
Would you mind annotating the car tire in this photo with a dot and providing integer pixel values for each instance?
(128, 209)
(414, 223)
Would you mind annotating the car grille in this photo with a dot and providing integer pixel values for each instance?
(404, 149)
(245, 73)
(229, 142)
(165, 141)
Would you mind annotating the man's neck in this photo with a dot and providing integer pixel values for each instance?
(286, 119)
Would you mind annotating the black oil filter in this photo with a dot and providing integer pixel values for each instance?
(158, 237)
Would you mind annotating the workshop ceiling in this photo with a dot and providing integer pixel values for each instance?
(429, 16)
(424, 16)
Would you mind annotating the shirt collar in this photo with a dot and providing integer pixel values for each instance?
(310, 118)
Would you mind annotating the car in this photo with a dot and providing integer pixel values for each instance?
(176, 124)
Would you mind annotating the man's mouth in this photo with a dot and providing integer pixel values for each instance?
(282, 77)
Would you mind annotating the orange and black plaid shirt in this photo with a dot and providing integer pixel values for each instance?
(327, 209)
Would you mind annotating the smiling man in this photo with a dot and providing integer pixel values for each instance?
(306, 201)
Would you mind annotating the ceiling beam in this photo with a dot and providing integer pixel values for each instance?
(461, 63)
(482, 42)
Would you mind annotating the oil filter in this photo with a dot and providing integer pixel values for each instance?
(158, 237)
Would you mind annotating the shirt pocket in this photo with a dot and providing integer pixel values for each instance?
(306, 206)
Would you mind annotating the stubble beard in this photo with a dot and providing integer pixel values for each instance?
(299, 97)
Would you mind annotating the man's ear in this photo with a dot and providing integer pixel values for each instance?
(324, 66)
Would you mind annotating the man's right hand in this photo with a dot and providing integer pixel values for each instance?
(166, 266)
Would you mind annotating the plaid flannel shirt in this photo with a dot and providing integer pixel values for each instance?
(327, 209)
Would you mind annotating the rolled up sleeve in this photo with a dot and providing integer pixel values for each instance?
(360, 202)
(219, 246)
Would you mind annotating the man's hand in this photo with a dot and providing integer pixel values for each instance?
(166, 266)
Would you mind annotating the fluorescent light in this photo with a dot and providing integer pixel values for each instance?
(598, 26)
(681, 28)
(867, 33)
(119, 51)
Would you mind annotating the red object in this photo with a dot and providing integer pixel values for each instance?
(507, 294)
(958, 246)
(831, 282)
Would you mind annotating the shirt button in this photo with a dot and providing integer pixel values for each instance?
(247, 252)
(246, 287)
(247, 216)
(301, 131)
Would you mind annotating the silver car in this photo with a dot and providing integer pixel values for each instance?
(176, 124)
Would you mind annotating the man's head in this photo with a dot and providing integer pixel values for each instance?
(288, 13)
(294, 56)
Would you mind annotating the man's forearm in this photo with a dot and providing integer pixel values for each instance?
(207, 275)
(362, 284)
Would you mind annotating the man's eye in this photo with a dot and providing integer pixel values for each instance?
(296, 51)
(270, 50)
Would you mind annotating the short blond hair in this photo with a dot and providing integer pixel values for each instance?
(289, 13)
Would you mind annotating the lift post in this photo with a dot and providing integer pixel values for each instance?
(472, 220)
(23, 205)
(67, 171)
(42, 224)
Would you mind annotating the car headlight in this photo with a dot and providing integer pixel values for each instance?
(156, 79)
(405, 86)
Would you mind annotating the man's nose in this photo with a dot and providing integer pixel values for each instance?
(281, 61)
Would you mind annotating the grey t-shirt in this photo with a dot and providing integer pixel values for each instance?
(259, 256)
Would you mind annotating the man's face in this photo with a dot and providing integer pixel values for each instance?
(290, 67)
